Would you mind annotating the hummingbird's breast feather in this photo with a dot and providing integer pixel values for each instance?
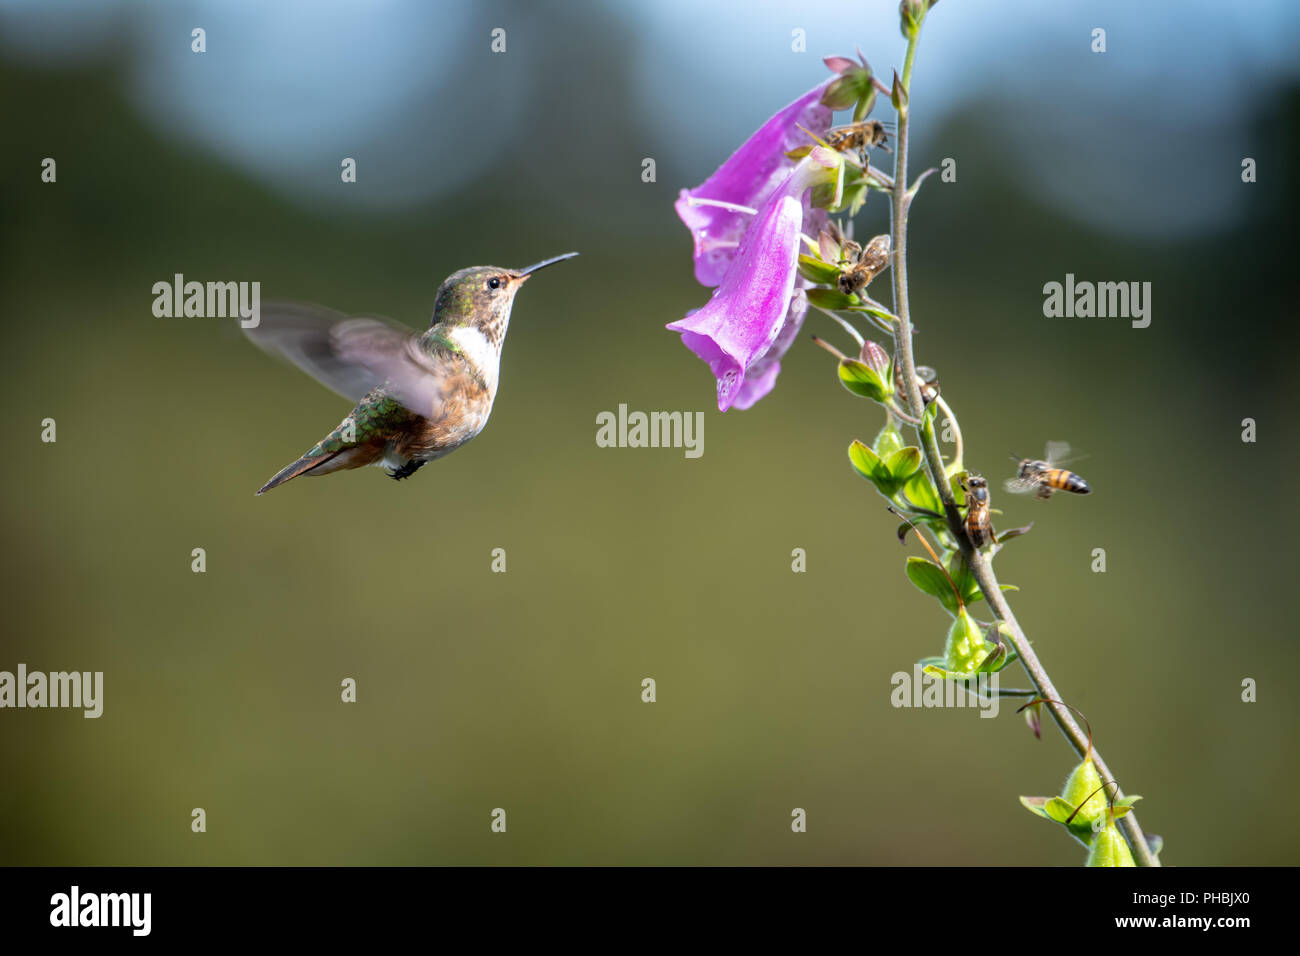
(466, 403)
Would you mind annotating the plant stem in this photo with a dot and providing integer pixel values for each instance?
(980, 568)
(960, 455)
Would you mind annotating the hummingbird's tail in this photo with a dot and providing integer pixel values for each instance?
(293, 470)
(324, 462)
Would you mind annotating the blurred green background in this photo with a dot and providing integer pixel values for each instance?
(522, 690)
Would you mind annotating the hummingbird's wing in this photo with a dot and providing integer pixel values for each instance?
(352, 355)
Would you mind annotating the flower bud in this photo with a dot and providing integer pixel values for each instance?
(875, 358)
(889, 441)
(965, 649)
(828, 247)
(910, 14)
(1108, 847)
(1083, 789)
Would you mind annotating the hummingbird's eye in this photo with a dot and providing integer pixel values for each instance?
(494, 283)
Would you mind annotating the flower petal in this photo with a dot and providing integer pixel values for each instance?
(747, 179)
(748, 311)
(761, 376)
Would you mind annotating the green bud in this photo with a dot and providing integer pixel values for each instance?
(910, 15)
(832, 299)
(1084, 786)
(897, 93)
(876, 358)
(851, 88)
(965, 649)
(889, 441)
(863, 380)
(816, 270)
(1108, 847)
(844, 92)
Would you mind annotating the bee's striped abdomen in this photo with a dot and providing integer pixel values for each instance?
(1064, 480)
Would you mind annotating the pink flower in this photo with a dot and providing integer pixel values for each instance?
(756, 311)
(748, 178)
(748, 220)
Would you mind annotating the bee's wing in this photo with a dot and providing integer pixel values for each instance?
(1056, 452)
(1019, 486)
(351, 355)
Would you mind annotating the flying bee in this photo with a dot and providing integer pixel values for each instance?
(1044, 475)
(859, 266)
(927, 380)
(858, 138)
(979, 526)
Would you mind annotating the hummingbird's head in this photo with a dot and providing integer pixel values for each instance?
(481, 297)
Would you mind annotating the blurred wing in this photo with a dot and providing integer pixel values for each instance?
(1019, 486)
(352, 355)
(1058, 453)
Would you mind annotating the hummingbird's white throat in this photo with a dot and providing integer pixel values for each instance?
(482, 354)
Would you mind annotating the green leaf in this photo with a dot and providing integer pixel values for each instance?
(852, 200)
(868, 464)
(962, 576)
(1061, 810)
(904, 463)
(935, 668)
(1009, 533)
(865, 104)
(814, 270)
(832, 299)
(955, 484)
(930, 579)
(845, 91)
(1057, 810)
(928, 415)
(1035, 805)
(919, 490)
(858, 197)
(861, 379)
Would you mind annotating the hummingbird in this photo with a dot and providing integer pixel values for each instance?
(419, 395)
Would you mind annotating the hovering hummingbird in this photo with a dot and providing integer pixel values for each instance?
(419, 395)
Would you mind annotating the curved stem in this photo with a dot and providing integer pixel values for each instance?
(959, 457)
(980, 568)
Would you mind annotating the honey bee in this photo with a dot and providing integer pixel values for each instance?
(858, 138)
(1044, 475)
(927, 380)
(979, 526)
(859, 266)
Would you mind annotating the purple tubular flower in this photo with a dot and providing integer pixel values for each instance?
(742, 321)
(754, 314)
(748, 178)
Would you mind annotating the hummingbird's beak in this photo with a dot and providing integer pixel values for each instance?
(529, 270)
